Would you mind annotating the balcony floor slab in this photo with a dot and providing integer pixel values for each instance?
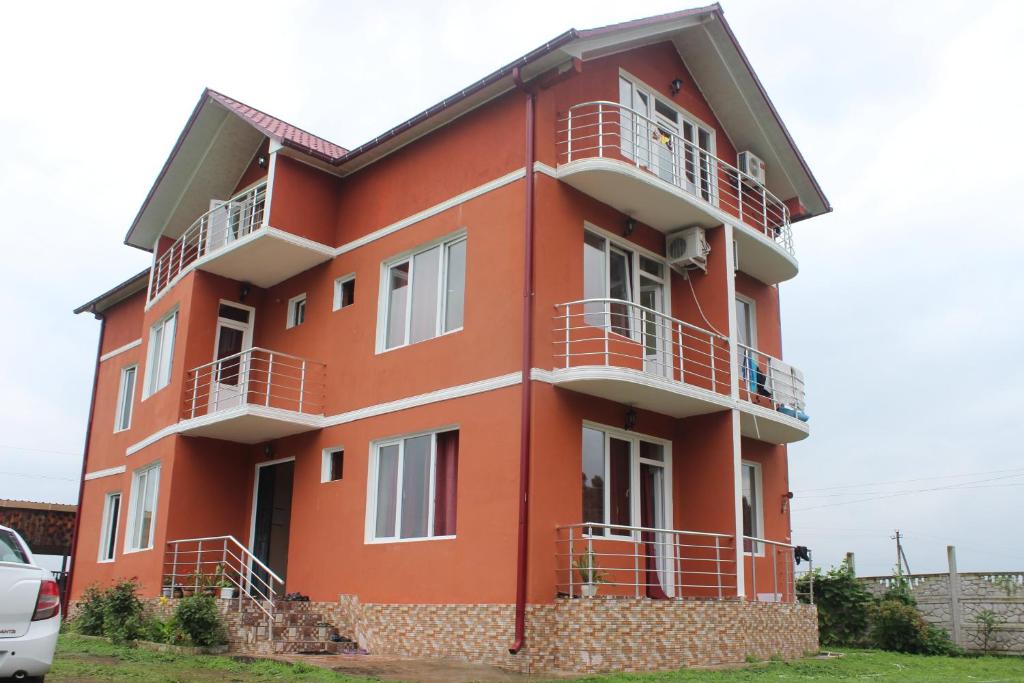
(250, 424)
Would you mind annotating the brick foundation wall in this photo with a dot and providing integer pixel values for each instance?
(574, 636)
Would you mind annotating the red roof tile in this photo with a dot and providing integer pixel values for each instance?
(274, 127)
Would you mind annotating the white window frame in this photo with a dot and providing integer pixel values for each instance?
(126, 393)
(152, 469)
(325, 463)
(293, 307)
(635, 251)
(339, 283)
(108, 544)
(371, 537)
(753, 318)
(758, 517)
(155, 352)
(634, 473)
(384, 302)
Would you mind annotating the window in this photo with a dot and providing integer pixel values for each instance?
(753, 513)
(108, 529)
(616, 465)
(333, 464)
(746, 326)
(10, 548)
(142, 513)
(344, 292)
(125, 398)
(413, 489)
(160, 358)
(425, 294)
(296, 310)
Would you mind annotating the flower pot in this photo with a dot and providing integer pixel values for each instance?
(167, 592)
(178, 593)
(188, 592)
(227, 592)
(589, 590)
(210, 591)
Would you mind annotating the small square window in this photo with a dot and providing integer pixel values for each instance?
(344, 291)
(296, 310)
(333, 466)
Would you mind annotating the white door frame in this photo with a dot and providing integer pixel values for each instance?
(230, 391)
(252, 510)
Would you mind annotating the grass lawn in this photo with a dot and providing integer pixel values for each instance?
(86, 659)
(81, 659)
(856, 665)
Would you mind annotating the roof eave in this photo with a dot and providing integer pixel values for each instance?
(115, 295)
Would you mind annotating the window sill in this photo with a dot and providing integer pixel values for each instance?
(382, 350)
(136, 550)
(385, 541)
(110, 561)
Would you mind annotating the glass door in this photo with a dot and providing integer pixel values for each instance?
(230, 373)
(665, 140)
(656, 331)
(658, 546)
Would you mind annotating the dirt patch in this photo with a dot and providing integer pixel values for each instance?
(409, 669)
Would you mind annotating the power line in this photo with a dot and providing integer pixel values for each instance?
(907, 481)
(902, 493)
(37, 450)
(959, 485)
(38, 476)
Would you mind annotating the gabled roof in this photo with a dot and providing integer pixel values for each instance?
(289, 135)
(702, 36)
(116, 294)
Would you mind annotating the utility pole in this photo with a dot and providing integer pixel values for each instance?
(901, 557)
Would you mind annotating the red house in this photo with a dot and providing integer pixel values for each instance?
(507, 377)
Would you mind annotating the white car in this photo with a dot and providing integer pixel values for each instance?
(29, 611)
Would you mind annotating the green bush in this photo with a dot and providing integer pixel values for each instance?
(898, 626)
(197, 621)
(844, 606)
(89, 617)
(123, 617)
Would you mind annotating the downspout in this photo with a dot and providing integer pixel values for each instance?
(85, 460)
(527, 393)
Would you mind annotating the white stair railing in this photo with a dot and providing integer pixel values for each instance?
(205, 565)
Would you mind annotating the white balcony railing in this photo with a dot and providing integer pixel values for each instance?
(205, 565)
(256, 377)
(613, 131)
(765, 379)
(621, 334)
(214, 230)
(631, 561)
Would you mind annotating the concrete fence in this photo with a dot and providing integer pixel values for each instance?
(955, 600)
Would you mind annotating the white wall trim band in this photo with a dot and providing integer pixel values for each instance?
(121, 349)
(109, 472)
(433, 211)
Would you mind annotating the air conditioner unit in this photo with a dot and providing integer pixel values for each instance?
(688, 249)
(752, 165)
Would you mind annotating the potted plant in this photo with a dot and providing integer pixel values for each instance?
(224, 582)
(168, 589)
(188, 586)
(590, 576)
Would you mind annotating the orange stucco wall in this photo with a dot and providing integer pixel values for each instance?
(207, 486)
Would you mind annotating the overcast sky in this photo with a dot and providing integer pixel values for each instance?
(906, 316)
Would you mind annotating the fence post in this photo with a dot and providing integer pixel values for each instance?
(302, 384)
(567, 323)
(718, 566)
(955, 613)
(270, 374)
(572, 557)
(174, 570)
(199, 557)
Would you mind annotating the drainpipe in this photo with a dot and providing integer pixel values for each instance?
(85, 460)
(527, 394)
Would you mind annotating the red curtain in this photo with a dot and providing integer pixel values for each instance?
(647, 519)
(445, 483)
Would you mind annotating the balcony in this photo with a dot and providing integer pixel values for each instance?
(774, 394)
(233, 240)
(254, 396)
(632, 354)
(628, 161)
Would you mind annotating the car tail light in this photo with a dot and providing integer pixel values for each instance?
(48, 603)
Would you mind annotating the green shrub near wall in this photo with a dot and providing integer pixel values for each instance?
(844, 606)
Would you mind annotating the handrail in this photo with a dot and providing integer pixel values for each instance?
(615, 333)
(645, 309)
(642, 529)
(601, 133)
(241, 547)
(789, 583)
(778, 382)
(248, 351)
(231, 220)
